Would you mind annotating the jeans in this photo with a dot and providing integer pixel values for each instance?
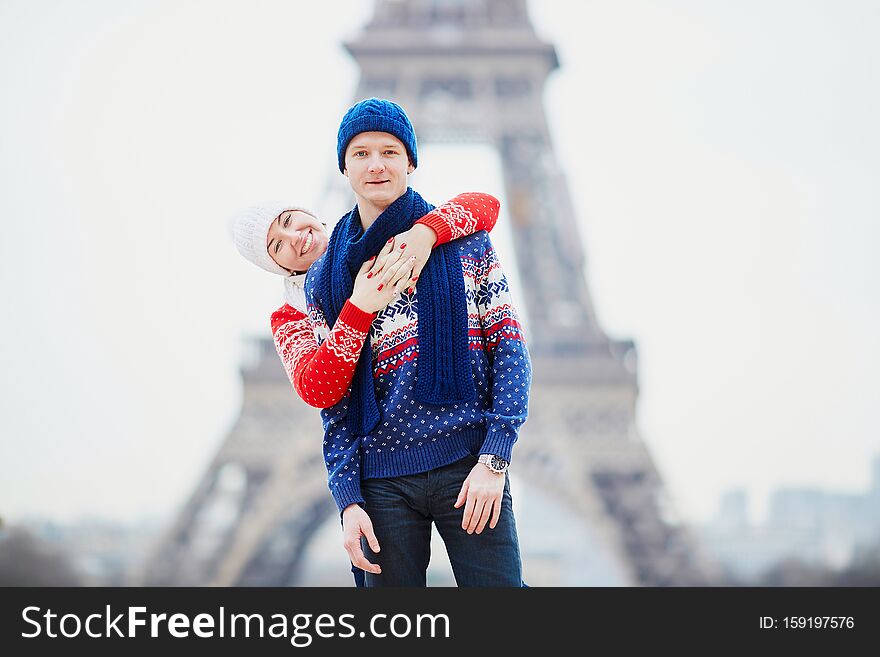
(402, 510)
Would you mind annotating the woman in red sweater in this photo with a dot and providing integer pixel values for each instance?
(287, 239)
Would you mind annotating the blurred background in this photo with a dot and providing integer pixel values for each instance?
(717, 165)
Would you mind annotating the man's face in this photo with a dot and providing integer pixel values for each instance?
(377, 164)
(296, 239)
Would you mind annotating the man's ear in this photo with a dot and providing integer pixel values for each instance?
(345, 171)
(410, 168)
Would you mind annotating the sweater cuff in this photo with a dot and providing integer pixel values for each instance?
(356, 318)
(499, 443)
(347, 493)
(435, 222)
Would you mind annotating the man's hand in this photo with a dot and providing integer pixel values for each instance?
(483, 490)
(355, 523)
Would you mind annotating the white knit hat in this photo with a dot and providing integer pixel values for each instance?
(249, 228)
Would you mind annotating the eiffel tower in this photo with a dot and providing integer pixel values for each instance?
(465, 71)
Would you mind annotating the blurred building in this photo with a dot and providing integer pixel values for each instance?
(816, 526)
(87, 552)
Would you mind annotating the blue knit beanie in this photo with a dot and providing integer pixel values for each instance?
(376, 115)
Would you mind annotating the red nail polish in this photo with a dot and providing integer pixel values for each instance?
(403, 246)
(415, 278)
(389, 241)
(370, 275)
(373, 258)
(381, 285)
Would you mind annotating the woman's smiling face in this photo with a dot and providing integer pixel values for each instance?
(295, 240)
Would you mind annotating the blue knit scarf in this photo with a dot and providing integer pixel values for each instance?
(444, 374)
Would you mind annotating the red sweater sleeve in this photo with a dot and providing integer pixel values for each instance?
(321, 374)
(463, 215)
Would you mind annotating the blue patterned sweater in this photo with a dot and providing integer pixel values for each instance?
(412, 437)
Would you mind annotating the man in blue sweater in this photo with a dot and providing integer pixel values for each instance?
(441, 386)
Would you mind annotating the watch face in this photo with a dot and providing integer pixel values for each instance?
(498, 463)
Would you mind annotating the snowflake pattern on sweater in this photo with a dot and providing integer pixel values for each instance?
(414, 437)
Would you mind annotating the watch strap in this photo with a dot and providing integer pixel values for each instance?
(486, 459)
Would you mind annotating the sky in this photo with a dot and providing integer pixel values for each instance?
(724, 161)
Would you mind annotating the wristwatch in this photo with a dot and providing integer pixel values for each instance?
(496, 464)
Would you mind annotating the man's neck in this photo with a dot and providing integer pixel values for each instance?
(368, 213)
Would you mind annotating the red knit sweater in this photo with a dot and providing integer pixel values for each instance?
(322, 374)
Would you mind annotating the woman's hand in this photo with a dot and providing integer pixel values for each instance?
(370, 294)
(415, 243)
